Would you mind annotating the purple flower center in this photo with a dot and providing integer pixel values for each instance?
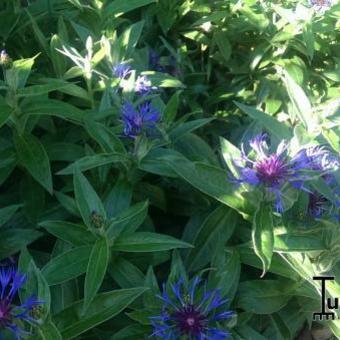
(190, 321)
(5, 314)
(272, 170)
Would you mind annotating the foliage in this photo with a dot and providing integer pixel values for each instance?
(125, 163)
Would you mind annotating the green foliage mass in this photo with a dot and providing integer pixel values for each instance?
(98, 220)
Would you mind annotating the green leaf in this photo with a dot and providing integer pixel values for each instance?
(72, 323)
(154, 162)
(211, 180)
(263, 235)
(33, 157)
(301, 104)
(7, 212)
(87, 199)
(91, 162)
(49, 331)
(119, 198)
(39, 35)
(67, 266)
(75, 234)
(130, 37)
(152, 284)
(294, 242)
(131, 332)
(53, 107)
(230, 153)
(147, 242)
(38, 90)
(335, 327)
(332, 138)
(128, 221)
(160, 79)
(187, 127)
(196, 148)
(14, 239)
(278, 129)
(171, 108)
(214, 17)
(108, 141)
(222, 41)
(281, 327)
(17, 75)
(65, 152)
(117, 7)
(125, 273)
(308, 37)
(35, 284)
(226, 273)
(264, 296)
(96, 270)
(68, 203)
(247, 332)
(58, 60)
(220, 224)
(5, 113)
(278, 265)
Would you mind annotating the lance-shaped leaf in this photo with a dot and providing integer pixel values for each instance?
(96, 270)
(148, 242)
(277, 128)
(33, 157)
(71, 322)
(76, 234)
(49, 331)
(90, 162)
(263, 235)
(301, 104)
(67, 266)
(87, 199)
(7, 212)
(14, 239)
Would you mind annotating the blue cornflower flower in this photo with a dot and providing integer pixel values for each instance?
(193, 312)
(122, 70)
(143, 85)
(10, 282)
(154, 61)
(273, 170)
(321, 5)
(136, 120)
(322, 159)
(324, 163)
(156, 65)
(317, 205)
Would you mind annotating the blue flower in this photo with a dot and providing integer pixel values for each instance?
(192, 311)
(273, 170)
(143, 85)
(10, 315)
(154, 61)
(322, 159)
(324, 163)
(156, 65)
(122, 70)
(137, 120)
(317, 205)
(321, 5)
